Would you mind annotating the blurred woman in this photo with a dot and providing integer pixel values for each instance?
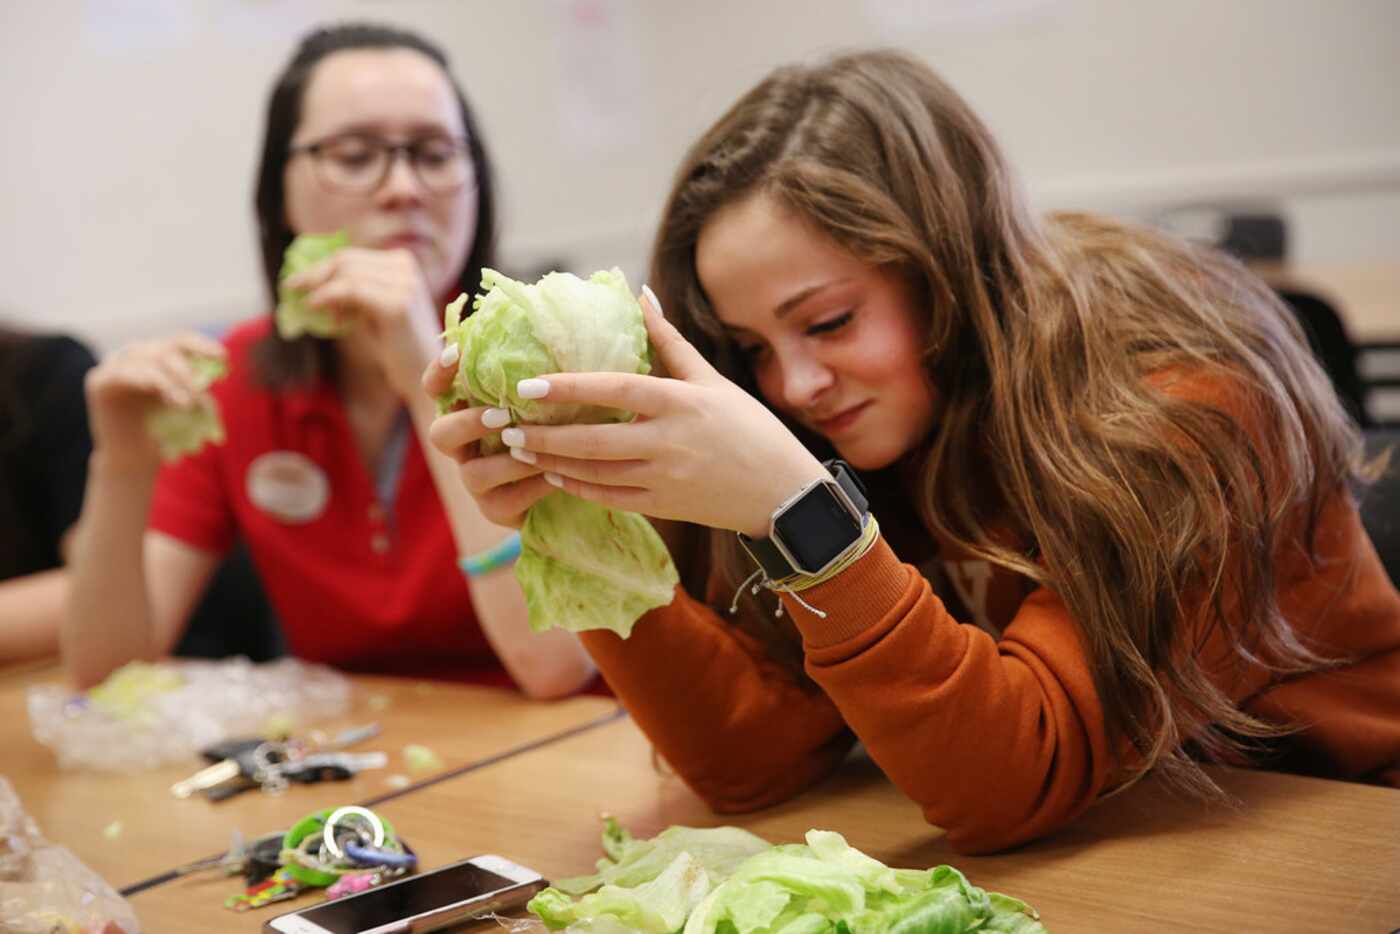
(355, 526)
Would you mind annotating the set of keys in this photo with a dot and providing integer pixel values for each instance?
(243, 764)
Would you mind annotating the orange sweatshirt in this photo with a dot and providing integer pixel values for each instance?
(999, 739)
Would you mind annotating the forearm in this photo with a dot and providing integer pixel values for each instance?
(741, 729)
(108, 622)
(544, 664)
(31, 609)
(998, 741)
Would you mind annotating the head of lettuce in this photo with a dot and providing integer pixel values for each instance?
(582, 565)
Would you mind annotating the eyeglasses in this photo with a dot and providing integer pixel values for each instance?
(359, 163)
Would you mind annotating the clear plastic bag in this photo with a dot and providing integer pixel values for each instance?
(147, 715)
(44, 888)
(528, 924)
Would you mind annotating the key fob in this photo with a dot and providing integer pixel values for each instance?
(230, 749)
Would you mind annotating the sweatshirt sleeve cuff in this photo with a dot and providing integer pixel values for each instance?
(853, 600)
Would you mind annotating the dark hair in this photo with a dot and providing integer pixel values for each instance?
(281, 362)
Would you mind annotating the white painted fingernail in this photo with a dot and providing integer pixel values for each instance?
(495, 418)
(524, 456)
(449, 355)
(553, 479)
(651, 297)
(532, 388)
(513, 437)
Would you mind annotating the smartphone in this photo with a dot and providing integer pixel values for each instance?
(430, 901)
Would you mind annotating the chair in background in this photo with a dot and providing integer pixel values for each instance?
(1380, 503)
(1332, 346)
(1261, 237)
(1258, 237)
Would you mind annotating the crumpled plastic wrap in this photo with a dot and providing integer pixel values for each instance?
(44, 889)
(532, 925)
(147, 715)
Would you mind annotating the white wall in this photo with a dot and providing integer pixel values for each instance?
(131, 126)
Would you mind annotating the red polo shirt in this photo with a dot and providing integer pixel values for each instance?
(354, 585)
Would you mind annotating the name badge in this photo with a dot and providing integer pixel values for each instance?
(288, 486)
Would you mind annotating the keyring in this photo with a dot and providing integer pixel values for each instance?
(328, 835)
(267, 771)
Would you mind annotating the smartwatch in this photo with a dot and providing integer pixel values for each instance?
(812, 528)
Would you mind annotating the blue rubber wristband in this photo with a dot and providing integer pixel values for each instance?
(499, 556)
(373, 857)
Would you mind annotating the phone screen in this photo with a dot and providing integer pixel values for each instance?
(406, 898)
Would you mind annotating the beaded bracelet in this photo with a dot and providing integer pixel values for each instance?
(497, 556)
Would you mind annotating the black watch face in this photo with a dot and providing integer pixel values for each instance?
(816, 529)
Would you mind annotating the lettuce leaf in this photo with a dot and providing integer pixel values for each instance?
(823, 887)
(184, 430)
(657, 907)
(582, 566)
(631, 862)
(585, 566)
(294, 318)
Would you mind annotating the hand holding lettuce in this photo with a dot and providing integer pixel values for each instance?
(562, 324)
(582, 566)
(294, 317)
(184, 430)
(728, 880)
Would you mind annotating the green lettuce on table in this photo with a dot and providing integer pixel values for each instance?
(181, 430)
(293, 316)
(629, 861)
(582, 566)
(682, 881)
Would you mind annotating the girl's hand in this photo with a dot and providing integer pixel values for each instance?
(126, 385)
(701, 450)
(384, 294)
(503, 487)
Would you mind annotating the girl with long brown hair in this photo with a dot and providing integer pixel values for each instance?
(1110, 522)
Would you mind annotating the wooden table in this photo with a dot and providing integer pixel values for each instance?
(464, 725)
(1298, 855)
